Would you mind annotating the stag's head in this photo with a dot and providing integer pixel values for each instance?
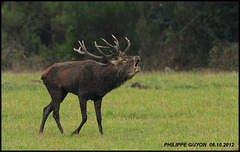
(120, 60)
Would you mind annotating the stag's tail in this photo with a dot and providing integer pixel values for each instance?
(43, 77)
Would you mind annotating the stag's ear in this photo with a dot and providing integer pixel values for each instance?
(120, 60)
(114, 61)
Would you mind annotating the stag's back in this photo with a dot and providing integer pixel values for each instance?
(75, 76)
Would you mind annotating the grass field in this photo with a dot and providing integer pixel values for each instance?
(186, 107)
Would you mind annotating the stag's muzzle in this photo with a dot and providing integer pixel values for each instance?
(136, 60)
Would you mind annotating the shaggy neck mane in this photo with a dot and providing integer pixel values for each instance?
(110, 77)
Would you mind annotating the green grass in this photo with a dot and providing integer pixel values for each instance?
(187, 107)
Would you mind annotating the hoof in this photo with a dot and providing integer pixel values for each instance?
(74, 133)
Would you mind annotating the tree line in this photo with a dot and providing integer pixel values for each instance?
(176, 35)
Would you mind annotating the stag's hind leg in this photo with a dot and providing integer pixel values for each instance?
(57, 99)
(46, 111)
(56, 116)
(57, 96)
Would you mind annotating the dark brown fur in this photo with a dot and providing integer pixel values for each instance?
(89, 80)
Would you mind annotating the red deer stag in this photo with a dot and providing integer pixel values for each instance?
(89, 80)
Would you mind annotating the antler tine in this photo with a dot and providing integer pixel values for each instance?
(85, 52)
(129, 44)
(97, 46)
(116, 41)
(79, 49)
(116, 47)
(108, 43)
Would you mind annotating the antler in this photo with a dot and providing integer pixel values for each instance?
(99, 50)
(124, 52)
(112, 55)
(82, 45)
(116, 47)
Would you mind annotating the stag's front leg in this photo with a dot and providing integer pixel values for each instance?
(83, 107)
(97, 105)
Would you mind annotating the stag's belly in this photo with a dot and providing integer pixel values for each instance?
(86, 89)
(86, 93)
(79, 78)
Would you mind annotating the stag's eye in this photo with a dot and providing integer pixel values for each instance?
(124, 60)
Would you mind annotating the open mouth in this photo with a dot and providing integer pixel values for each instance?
(136, 67)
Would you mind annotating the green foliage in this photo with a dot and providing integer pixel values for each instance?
(178, 35)
(169, 70)
(224, 57)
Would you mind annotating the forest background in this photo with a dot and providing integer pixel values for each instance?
(167, 35)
